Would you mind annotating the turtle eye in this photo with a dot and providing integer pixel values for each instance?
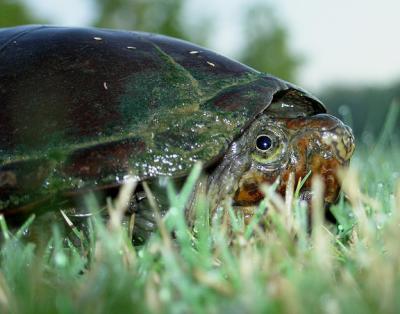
(263, 143)
(268, 147)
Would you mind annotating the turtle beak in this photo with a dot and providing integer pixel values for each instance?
(340, 140)
(322, 145)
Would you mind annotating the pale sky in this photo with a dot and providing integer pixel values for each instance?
(348, 41)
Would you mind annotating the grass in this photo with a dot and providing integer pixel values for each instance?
(222, 265)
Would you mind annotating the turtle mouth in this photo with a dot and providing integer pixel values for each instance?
(247, 209)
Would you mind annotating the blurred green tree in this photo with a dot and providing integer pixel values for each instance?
(14, 12)
(164, 17)
(265, 44)
(365, 108)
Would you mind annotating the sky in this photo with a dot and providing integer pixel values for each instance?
(353, 42)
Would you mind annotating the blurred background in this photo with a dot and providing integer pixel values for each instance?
(347, 53)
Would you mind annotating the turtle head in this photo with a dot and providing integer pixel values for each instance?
(273, 147)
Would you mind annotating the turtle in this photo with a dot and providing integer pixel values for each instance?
(85, 109)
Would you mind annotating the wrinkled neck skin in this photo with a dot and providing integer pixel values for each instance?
(320, 144)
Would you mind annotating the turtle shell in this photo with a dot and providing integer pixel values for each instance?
(82, 108)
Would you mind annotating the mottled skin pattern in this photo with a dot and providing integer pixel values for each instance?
(83, 108)
(320, 144)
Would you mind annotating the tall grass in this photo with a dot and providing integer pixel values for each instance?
(221, 265)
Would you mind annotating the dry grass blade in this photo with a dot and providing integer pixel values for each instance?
(160, 223)
(289, 196)
(78, 233)
(317, 203)
(121, 204)
(211, 281)
(323, 247)
(273, 199)
(131, 226)
(351, 186)
(152, 293)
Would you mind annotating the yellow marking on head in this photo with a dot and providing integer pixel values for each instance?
(267, 158)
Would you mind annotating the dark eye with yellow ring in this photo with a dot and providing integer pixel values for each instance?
(263, 143)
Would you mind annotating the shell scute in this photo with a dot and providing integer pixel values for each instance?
(103, 159)
(89, 104)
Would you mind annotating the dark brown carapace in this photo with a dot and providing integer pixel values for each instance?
(82, 109)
